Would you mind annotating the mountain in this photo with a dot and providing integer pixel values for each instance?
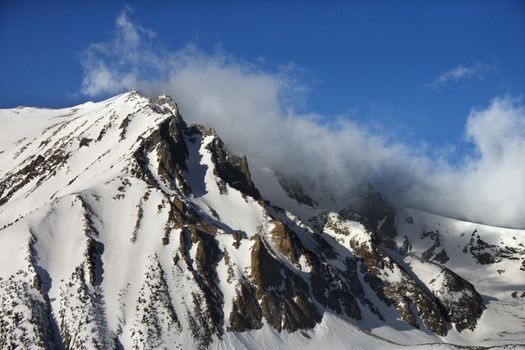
(123, 227)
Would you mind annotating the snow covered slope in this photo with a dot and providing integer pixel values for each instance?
(123, 227)
(491, 258)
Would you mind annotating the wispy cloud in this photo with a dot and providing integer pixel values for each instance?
(253, 111)
(478, 71)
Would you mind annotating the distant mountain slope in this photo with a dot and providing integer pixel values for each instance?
(123, 227)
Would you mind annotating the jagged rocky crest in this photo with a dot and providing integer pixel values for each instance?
(144, 232)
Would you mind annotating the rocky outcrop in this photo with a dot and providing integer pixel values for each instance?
(168, 142)
(207, 304)
(435, 252)
(39, 168)
(486, 253)
(460, 300)
(395, 284)
(391, 283)
(285, 241)
(25, 318)
(232, 169)
(296, 191)
(155, 317)
(375, 212)
(332, 287)
(81, 321)
(246, 312)
(284, 298)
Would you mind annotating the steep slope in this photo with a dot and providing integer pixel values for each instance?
(123, 227)
(491, 258)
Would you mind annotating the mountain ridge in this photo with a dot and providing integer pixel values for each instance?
(122, 226)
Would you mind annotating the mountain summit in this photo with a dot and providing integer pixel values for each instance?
(123, 227)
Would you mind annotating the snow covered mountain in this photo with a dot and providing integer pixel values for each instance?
(123, 227)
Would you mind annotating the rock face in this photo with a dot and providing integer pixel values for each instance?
(232, 169)
(140, 231)
(295, 191)
(389, 280)
(284, 298)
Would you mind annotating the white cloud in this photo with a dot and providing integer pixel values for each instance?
(463, 72)
(490, 185)
(123, 61)
(251, 110)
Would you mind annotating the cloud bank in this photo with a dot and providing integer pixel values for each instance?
(251, 110)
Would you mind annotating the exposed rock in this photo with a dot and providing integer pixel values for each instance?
(285, 241)
(164, 104)
(208, 307)
(430, 253)
(486, 253)
(25, 318)
(124, 127)
(93, 253)
(38, 169)
(332, 289)
(376, 213)
(460, 299)
(168, 141)
(81, 324)
(394, 285)
(246, 313)
(158, 319)
(296, 191)
(266, 270)
(284, 297)
(406, 247)
(232, 169)
(84, 142)
(237, 237)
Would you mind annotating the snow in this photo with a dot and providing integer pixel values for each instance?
(502, 322)
(326, 335)
(346, 230)
(93, 196)
(454, 236)
(233, 209)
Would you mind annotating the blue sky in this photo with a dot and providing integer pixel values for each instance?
(423, 99)
(374, 62)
